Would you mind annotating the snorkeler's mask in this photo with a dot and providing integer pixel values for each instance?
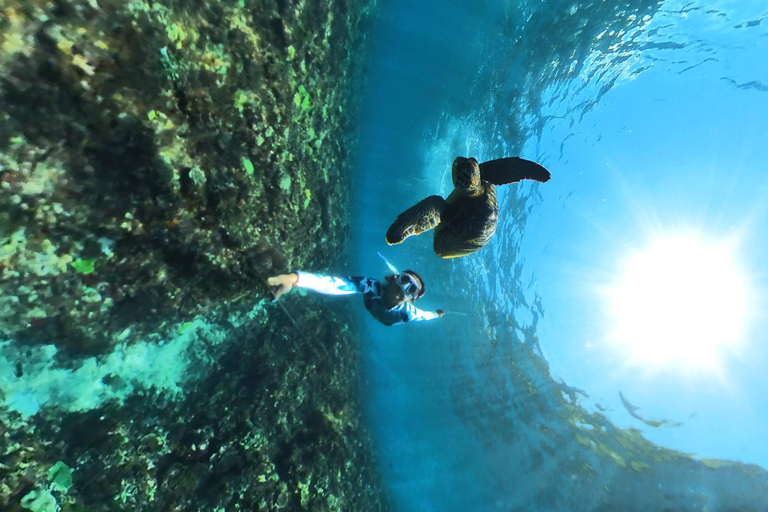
(409, 286)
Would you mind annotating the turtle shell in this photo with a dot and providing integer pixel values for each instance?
(467, 224)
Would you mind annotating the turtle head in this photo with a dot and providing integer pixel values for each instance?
(466, 176)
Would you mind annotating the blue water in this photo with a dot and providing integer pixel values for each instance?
(651, 118)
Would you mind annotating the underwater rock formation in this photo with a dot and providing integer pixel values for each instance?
(273, 424)
(159, 157)
(157, 161)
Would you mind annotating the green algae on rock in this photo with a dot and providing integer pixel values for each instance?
(271, 422)
(145, 149)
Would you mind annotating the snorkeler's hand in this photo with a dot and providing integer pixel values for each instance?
(278, 285)
(440, 313)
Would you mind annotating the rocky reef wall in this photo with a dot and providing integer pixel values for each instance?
(159, 157)
(158, 160)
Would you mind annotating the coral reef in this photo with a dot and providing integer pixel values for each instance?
(158, 159)
(274, 424)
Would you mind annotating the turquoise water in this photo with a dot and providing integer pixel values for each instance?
(160, 160)
(650, 117)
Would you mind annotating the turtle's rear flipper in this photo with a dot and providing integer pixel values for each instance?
(511, 170)
(417, 219)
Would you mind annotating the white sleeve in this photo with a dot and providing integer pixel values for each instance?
(328, 285)
(417, 315)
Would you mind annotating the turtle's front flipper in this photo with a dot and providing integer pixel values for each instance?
(511, 170)
(417, 219)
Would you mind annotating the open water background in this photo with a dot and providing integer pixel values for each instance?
(646, 113)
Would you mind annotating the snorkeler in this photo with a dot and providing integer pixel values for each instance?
(389, 303)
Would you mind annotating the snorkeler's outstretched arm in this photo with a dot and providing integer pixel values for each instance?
(328, 285)
(415, 314)
(281, 284)
(417, 219)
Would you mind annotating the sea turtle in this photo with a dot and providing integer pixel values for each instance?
(466, 221)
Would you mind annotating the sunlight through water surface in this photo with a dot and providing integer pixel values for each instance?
(679, 302)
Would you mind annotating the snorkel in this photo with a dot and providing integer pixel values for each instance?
(391, 266)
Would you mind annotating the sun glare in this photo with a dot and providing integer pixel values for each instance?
(680, 302)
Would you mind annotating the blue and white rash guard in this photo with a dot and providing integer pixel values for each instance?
(373, 296)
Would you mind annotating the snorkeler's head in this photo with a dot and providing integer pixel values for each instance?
(411, 283)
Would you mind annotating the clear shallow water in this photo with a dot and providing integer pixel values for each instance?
(678, 148)
(649, 117)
